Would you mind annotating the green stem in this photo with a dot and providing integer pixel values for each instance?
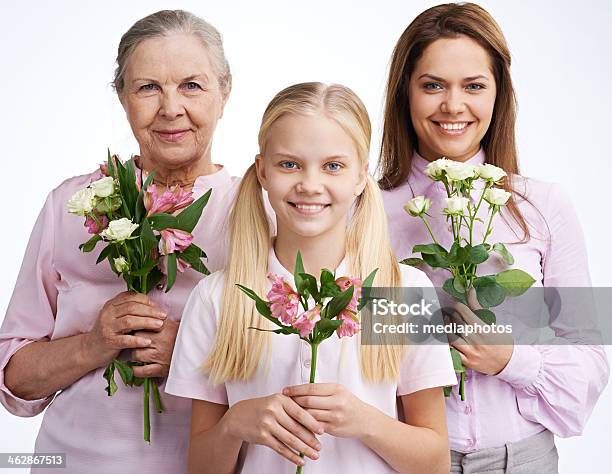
(313, 372)
(462, 386)
(157, 401)
(147, 420)
(429, 229)
(488, 231)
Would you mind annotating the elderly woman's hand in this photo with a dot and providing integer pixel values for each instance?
(158, 354)
(119, 318)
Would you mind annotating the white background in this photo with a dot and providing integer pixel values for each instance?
(58, 113)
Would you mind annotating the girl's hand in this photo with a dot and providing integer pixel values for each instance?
(340, 412)
(278, 422)
(485, 353)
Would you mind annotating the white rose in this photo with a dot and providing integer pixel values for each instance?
(496, 196)
(491, 172)
(456, 205)
(121, 264)
(435, 169)
(119, 229)
(457, 171)
(417, 206)
(104, 187)
(82, 202)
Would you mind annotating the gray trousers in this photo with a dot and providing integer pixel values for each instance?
(534, 455)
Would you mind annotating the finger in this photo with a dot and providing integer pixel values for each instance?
(309, 401)
(460, 344)
(284, 451)
(150, 370)
(322, 416)
(129, 342)
(143, 355)
(320, 389)
(472, 299)
(293, 442)
(136, 308)
(466, 314)
(300, 415)
(309, 444)
(126, 296)
(134, 323)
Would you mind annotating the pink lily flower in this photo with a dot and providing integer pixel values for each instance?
(306, 321)
(169, 201)
(284, 300)
(350, 324)
(174, 240)
(344, 283)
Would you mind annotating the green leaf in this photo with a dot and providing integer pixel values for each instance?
(457, 364)
(339, 302)
(297, 271)
(309, 284)
(503, 251)
(367, 283)
(488, 292)
(171, 269)
(436, 261)
(328, 285)
(163, 221)
(459, 284)
(125, 371)
(111, 167)
(148, 181)
(325, 328)
(153, 278)
(189, 217)
(487, 316)
(149, 241)
(430, 249)
(109, 375)
(150, 265)
(261, 305)
(109, 250)
(283, 330)
(138, 381)
(90, 244)
(448, 390)
(192, 255)
(478, 254)
(458, 255)
(412, 261)
(515, 281)
(450, 289)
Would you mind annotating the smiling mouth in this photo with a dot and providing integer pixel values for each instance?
(171, 136)
(309, 209)
(452, 128)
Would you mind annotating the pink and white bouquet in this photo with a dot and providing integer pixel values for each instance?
(328, 305)
(146, 243)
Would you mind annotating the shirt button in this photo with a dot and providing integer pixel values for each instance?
(307, 363)
(468, 410)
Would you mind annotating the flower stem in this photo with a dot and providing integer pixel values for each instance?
(313, 373)
(462, 386)
(157, 401)
(147, 421)
(429, 229)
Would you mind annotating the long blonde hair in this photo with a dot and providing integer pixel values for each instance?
(237, 350)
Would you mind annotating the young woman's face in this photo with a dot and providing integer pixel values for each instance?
(312, 173)
(452, 94)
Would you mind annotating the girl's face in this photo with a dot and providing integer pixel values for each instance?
(452, 94)
(312, 173)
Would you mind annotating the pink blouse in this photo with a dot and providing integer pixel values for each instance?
(543, 386)
(337, 362)
(59, 293)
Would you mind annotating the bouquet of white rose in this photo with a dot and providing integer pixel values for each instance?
(465, 254)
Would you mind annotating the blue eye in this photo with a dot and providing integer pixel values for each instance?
(334, 166)
(288, 165)
(192, 86)
(148, 87)
(474, 87)
(432, 86)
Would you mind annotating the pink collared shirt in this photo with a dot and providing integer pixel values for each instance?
(59, 293)
(543, 386)
(337, 362)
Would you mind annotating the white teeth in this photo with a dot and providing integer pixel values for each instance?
(310, 207)
(453, 126)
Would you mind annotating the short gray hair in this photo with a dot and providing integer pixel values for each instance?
(164, 23)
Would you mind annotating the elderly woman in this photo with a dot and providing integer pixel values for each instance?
(68, 317)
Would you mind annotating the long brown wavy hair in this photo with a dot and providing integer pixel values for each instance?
(399, 138)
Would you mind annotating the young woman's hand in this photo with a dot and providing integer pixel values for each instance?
(484, 353)
(278, 422)
(340, 412)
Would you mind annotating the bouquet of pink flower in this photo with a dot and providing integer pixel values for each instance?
(146, 242)
(335, 308)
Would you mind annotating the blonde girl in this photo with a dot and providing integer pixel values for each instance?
(253, 410)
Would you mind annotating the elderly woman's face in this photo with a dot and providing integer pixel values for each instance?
(172, 99)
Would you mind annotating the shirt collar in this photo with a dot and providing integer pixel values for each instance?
(274, 266)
